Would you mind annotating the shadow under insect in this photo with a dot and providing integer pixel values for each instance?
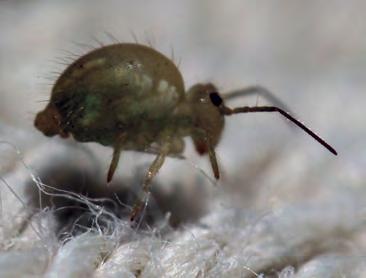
(80, 200)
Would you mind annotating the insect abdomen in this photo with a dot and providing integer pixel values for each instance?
(114, 89)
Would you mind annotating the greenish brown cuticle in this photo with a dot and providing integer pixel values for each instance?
(91, 109)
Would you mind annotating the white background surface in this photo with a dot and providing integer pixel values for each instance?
(311, 54)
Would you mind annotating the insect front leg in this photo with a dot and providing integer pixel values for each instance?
(213, 160)
(152, 172)
(203, 143)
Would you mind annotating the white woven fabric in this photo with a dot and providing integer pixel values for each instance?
(320, 235)
(284, 206)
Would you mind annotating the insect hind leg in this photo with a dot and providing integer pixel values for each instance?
(152, 172)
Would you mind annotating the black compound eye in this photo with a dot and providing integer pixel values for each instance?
(215, 99)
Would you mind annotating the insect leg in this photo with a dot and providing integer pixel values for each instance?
(116, 155)
(201, 139)
(213, 160)
(155, 166)
(114, 163)
(152, 172)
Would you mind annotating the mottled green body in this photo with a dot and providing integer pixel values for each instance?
(120, 89)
